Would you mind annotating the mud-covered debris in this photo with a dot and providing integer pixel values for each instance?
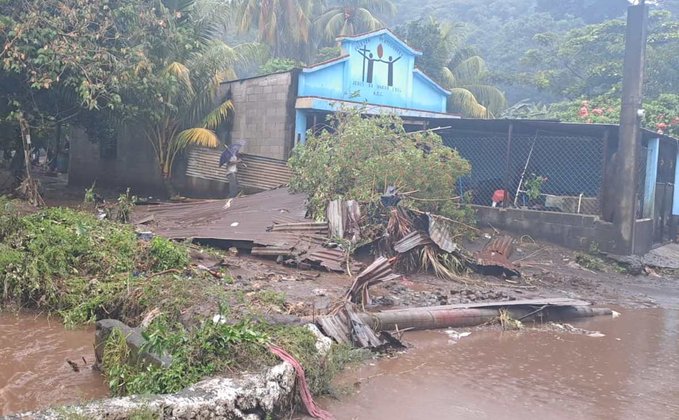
(377, 272)
(346, 326)
(493, 259)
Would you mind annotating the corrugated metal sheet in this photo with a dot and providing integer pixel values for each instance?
(270, 223)
(495, 257)
(257, 172)
(440, 229)
(317, 228)
(410, 241)
(336, 218)
(333, 259)
(377, 272)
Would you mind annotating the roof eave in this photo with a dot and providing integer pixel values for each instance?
(365, 35)
(325, 64)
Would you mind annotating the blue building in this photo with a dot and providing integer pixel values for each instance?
(376, 71)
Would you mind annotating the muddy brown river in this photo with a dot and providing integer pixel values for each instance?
(630, 373)
(34, 373)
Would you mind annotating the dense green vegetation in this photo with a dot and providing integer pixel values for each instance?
(72, 264)
(327, 166)
(213, 347)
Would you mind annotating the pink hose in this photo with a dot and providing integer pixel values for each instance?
(304, 393)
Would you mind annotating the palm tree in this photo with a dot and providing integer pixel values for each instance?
(175, 91)
(465, 76)
(188, 108)
(283, 25)
(349, 17)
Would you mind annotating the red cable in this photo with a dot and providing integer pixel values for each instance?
(304, 393)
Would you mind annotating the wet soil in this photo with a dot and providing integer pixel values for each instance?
(34, 372)
(547, 271)
(630, 372)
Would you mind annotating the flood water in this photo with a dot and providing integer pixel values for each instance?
(631, 372)
(34, 373)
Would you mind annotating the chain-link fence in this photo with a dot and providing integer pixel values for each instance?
(543, 171)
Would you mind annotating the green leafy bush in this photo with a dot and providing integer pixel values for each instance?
(360, 157)
(167, 255)
(73, 264)
(216, 347)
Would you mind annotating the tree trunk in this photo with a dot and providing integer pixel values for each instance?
(29, 188)
(170, 189)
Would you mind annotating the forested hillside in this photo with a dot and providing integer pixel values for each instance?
(550, 56)
(505, 31)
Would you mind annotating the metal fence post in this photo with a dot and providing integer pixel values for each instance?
(508, 165)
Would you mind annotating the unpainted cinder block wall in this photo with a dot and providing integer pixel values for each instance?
(133, 165)
(575, 231)
(264, 113)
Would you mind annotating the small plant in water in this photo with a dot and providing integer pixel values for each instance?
(508, 322)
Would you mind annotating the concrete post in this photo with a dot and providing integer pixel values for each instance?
(629, 147)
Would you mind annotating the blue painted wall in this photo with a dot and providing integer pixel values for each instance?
(377, 69)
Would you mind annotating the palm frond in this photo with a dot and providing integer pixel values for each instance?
(199, 137)
(463, 101)
(183, 75)
(470, 70)
(489, 96)
(331, 24)
(382, 7)
(218, 115)
(205, 99)
(449, 79)
(462, 54)
(365, 21)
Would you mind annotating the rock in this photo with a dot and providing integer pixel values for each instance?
(134, 340)
(323, 343)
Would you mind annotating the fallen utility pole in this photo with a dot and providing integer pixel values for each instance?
(343, 330)
(452, 317)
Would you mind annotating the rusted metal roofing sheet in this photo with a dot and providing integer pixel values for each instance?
(440, 229)
(257, 172)
(244, 219)
(377, 272)
(317, 228)
(494, 257)
(270, 223)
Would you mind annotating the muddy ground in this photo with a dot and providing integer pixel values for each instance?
(547, 271)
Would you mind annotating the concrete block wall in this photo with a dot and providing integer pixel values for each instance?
(134, 165)
(575, 231)
(264, 113)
